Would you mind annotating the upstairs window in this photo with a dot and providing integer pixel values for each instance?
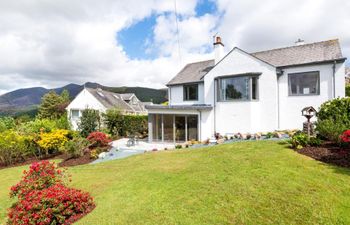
(191, 92)
(243, 88)
(307, 83)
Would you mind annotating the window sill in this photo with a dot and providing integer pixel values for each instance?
(303, 95)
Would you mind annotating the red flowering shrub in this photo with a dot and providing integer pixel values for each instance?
(98, 139)
(57, 204)
(41, 175)
(44, 199)
(345, 137)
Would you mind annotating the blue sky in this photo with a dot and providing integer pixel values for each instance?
(137, 38)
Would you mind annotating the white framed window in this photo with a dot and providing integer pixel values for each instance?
(75, 114)
(307, 83)
(238, 88)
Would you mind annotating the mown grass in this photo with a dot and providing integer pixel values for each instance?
(242, 183)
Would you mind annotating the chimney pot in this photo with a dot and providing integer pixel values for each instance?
(218, 41)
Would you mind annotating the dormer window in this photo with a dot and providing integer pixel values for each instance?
(191, 92)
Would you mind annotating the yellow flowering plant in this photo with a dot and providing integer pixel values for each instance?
(53, 140)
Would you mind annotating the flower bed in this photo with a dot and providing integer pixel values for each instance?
(43, 198)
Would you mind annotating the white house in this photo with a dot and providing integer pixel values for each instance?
(248, 92)
(102, 100)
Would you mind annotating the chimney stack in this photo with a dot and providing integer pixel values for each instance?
(218, 49)
(299, 42)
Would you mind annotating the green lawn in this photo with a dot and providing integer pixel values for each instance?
(243, 183)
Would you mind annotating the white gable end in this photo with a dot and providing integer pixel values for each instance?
(85, 100)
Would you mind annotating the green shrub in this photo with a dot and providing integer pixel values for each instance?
(6, 123)
(331, 130)
(38, 125)
(347, 90)
(12, 147)
(337, 110)
(333, 119)
(114, 121)
(89, 122)
(178, 146)
(300, 140)
(124, 125)
(75, 147)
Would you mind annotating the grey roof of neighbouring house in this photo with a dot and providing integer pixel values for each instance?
(192, 72)
(281, 57)
(110, 99)
(347, 71)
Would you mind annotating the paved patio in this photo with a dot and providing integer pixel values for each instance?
(121, 150)
(142, 145)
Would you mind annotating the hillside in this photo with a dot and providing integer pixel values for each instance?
(23, 100)
(260, 182)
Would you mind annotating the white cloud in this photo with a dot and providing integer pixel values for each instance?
(52, 43)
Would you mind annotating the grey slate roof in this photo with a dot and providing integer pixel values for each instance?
(192, 72)
(302, 54)
(110, 99)
(294, 55)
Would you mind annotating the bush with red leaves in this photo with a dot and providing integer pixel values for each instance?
(98, 139)
(345, 137)
(44, 199)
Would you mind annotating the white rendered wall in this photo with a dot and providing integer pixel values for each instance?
(83, 101)
(291, 106)
(242, 116)
(176, 95)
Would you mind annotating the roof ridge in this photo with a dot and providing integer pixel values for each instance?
(296, 46)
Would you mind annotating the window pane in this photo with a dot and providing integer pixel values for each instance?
(168, 127)
(192, 127)
(254, 88)
(191, 92)
(234, 88)
(157, 127)
(304, 83)
(75, 114)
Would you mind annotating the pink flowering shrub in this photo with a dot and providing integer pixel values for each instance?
(44, 199)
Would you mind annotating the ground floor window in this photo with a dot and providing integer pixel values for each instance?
(173, 128)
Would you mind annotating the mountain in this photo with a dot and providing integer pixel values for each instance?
(27, 99)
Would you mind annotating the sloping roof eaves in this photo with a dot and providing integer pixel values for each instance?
(192, 73)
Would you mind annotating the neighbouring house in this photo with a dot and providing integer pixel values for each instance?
(248, 92)
(102, 100)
